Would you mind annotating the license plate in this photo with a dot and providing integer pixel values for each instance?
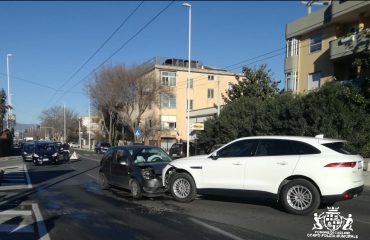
(356, 195)
(45, 159)
(359, 165)
(174, 155)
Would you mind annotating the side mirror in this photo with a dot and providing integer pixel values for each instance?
(123, 163)
(214, 156)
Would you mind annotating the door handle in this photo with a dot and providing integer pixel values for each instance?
(237, 163)
(282, 163)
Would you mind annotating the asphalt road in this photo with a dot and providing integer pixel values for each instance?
(66, 203)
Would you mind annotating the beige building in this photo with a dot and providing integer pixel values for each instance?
(321, 46)
(206, 86)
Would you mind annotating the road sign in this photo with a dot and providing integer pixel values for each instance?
(137, 132)
(197, 126)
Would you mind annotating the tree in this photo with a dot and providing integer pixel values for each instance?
(52, 121)
(255, 83)
(122, 95)
(334, 110)
(3, 108)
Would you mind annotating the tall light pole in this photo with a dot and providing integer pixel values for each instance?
(65, 129)
(187, 5)
(89, 126)
(9, 95)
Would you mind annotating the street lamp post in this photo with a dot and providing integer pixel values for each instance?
(9, 95)
(187, 85)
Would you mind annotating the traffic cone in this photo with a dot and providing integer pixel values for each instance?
(74, 156)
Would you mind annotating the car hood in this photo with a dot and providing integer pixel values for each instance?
(157, 167)
(189, 160)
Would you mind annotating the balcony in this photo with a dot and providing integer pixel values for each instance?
(346, 46)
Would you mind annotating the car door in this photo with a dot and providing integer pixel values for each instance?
(106, 165)
(226, 169)
(275, 160)
(120, 168)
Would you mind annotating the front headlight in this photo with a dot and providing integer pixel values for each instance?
(35, 155)
(24, 153)
(55, 155)
(147, 173)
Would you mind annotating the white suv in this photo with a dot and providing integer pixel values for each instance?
(301, 172)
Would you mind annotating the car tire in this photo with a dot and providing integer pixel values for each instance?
(135, 188)
(182, 187)
(103, 181)
(299, 197)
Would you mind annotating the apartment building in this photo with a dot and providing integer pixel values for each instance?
(206, 86)
(321, 46)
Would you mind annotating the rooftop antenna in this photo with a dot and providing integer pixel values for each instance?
(315, 2)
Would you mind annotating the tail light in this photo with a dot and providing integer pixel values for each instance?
(342, 164)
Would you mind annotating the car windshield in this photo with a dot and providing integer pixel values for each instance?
(175, 146)
(28, 148)
(49, 147)
(151, 155)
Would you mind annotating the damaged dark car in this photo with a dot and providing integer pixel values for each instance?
(137, 168)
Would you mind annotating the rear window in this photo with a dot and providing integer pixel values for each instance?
(341, 147)
(176, 146)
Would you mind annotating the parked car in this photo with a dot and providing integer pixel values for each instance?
(27, 151)
(74, 145)
(102, 147)
(45, 152)
(134, 167)
(178, 150)
(301, 172)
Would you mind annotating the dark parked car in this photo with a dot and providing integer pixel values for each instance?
(45, 152)
(27, 151)
(102, 147)
(137, 168)
(178, 150)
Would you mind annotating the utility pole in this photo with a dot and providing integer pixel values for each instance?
(10, 112)
(89, 126)
(218, 96)
(79, 133)
(65, 130)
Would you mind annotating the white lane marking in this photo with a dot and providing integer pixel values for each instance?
(27, 176)
(16, 212)
(14, 186)
(43, 233)
(16, 228)
(93, 177)
(218, 230)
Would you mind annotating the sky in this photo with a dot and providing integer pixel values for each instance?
(50, 42)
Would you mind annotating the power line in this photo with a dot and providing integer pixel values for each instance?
(98, 49)
(120, 48)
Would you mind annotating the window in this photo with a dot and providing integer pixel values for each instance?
(168, 101)
(340, 147)
(229, 86)
(292, 47)
(168, 79)
(168, 122)
(291, 81)
(302, 148)
(242, 148)
(275, 147)
(121, 156)
(315, 43)
(314, 80)
(211, 77)
(190, 83)
(210, 93)
(191, 104)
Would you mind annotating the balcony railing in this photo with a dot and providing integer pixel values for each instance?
(349, 45)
